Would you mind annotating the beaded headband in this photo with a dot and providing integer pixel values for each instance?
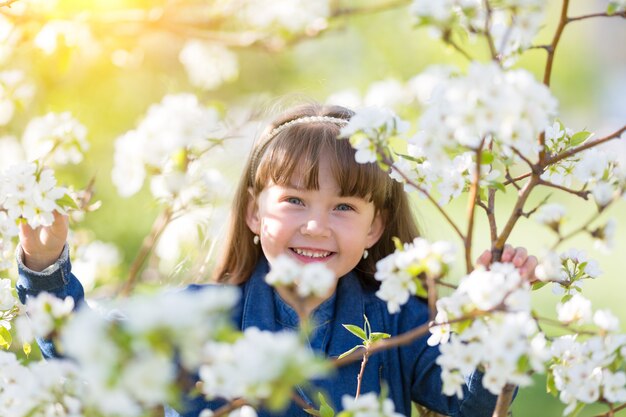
(280, 128)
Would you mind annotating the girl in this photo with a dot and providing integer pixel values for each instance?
(302, 194)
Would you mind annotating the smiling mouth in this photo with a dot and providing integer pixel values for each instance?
(312, 254)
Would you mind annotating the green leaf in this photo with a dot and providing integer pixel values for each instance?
(356, 330)
(537, 285)
(420, 290)
(566, 298)
(397, 243)
(26, 347)
(579, 138)
(611, 9)
(577, 410)
(551, 385)
(344, 354)
(5, 338)
(410, 158)
(482, 194)
(376, 336)
(367, 327)
(498, 186)
(325, 409)
(460, 326)
(67, 202)
(486, 157)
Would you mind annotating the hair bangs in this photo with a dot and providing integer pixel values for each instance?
(299, 150)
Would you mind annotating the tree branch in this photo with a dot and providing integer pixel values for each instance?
(504, 401)
(584, 194)
(584, 146)
(514, 181)
(146, 248)
(7, 3)
(370, 9)
(555, 41)
(589, 16)
(491, 216)
(471, 209)
(231, 406)
(389, 162)
(492, 48)
(515, 215)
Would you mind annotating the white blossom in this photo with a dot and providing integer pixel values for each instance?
(603, 193)
(368, 405)
(309, 280)
(172, 134)
(58, 134)
(208, 65)
(386, 93)
(14, 92)
(604, 319)
(292, 15)
(256, 364)
(399, 272)
(551, 215)
(575, 310)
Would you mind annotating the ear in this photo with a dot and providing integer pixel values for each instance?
(253, 220)
(376, 229)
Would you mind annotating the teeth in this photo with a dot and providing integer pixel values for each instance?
(311, 254)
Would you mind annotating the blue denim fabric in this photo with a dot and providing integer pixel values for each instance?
(409, 371)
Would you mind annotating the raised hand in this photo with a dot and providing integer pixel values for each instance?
(518, 257)
(43, 246)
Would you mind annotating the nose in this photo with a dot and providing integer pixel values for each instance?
(315, 227)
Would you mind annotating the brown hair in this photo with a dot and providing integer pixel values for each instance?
(275, 158)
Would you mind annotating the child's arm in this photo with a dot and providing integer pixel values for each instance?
(43, 246)
(44, 266)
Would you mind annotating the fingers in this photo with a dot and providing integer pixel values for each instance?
(517, 256)
(484, 259)
(527, 270)
(507, 253)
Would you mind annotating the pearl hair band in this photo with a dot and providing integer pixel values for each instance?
(303, 120)
(282, 127)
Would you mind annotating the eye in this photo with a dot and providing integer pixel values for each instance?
(294, 200)
(344, 207)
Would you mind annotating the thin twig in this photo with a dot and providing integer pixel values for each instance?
(612, 411)
(584, 146)
(491, 215)
(370, 9)
(514, 181)
(146, 248)
(359, 377)
(532, 166)
(582, 228)
(430, 198)
(471, 209)
(584, 194)
(432, 296)
(403, 338)
(515, 215)
(589, 16)
(555, 41)
(492, 48)
(7, 3)
(231, 406)
(504, 401)
(447, 38)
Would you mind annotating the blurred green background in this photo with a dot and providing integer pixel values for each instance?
(589, 79)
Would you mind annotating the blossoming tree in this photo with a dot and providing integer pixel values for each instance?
(489, 129)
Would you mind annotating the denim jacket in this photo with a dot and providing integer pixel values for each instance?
(409, 371)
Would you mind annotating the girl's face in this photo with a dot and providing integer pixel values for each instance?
(314, 225)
